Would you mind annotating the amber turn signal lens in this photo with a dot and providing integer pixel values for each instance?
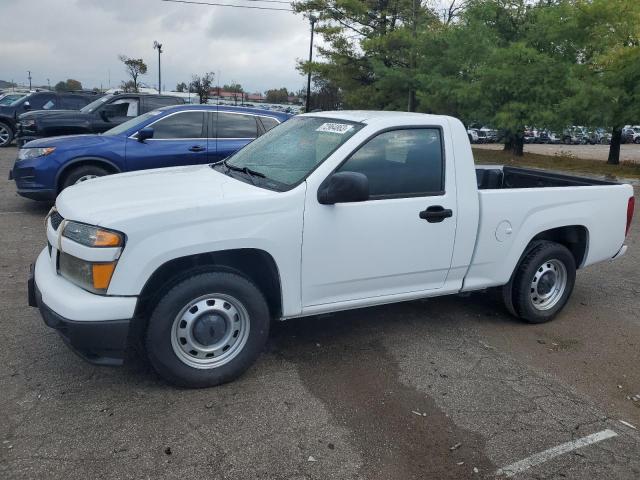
(102, 273)
(107, 239)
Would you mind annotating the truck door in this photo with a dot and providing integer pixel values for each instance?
(400, 240)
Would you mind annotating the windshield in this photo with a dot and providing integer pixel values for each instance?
(290, 151)
(95, 104)
(10, 98)
(123, 127)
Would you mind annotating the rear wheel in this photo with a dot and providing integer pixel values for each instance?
(207, 330)
(543, 282)
(6, 135)
(82, 174)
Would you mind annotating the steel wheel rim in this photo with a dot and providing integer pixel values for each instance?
(4, 134)
(84, 178)
(548, 284)
(189, 347)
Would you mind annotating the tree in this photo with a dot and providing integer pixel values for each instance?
(606, 81)
(201, 85)
(181, 87)
(134, 68)
(371, 49)
(70, 84)
(280, 95)
(233, 88)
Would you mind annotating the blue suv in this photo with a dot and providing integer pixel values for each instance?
(169, 136)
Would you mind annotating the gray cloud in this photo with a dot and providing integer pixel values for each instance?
(59, 39)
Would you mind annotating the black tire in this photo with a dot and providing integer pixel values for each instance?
(637, 140)
(159, 345)
(7, 134)
(545, 256)
(76, 173)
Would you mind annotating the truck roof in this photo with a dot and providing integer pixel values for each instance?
(365, 116)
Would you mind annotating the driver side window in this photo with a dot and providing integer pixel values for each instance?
(126, 107)
(401, 163)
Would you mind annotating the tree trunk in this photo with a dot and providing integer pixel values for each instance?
(411, 104)
(614, 149)
(517, 148)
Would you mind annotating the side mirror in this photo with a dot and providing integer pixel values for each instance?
(27, 105)
(344, 187)
(145, 134)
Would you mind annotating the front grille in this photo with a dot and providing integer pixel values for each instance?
(56, 220)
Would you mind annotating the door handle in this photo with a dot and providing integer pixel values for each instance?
(436, 214)
(197, 148)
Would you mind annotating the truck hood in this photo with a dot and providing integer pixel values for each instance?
(116, 200)
(58, 115)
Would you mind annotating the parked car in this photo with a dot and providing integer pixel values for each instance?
(575, 135)
(326, 212)
(178, 135)
(37, 101)
(9, 98)
(97, 117)
(599, 136)
(472, 135)
(631, 135)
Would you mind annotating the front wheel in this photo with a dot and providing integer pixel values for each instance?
(543, 282)
(6, 135)
(207, 330)
(81, 174)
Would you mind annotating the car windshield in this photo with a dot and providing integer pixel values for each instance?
(289, 152)
(10, 98)
(134, 122)
(91, 107)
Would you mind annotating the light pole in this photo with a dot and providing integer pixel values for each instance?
(312, 20)
(49, 84)
(29, 77)
(158, 46)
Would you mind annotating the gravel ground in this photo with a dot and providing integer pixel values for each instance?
(449, 388)
(628, 152)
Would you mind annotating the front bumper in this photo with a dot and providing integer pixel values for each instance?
(96, 339)
(28, 184)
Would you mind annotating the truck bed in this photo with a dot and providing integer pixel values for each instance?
(493, 177)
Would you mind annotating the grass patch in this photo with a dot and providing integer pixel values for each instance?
(567, 164)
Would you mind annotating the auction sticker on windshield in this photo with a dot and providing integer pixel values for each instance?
(340, 128)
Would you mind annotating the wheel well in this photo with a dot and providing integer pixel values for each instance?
(257, 265)
(62, 176)
(574, 237)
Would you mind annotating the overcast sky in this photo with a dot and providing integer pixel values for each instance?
(81, 39)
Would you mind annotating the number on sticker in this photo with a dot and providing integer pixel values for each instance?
(340, 128)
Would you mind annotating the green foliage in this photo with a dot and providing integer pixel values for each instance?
(70, 84)
(181, 87)
(233, 88)
(280, 95)
(505, 63)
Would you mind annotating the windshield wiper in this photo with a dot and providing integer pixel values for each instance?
(246, 170)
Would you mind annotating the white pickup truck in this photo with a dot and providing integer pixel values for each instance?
(328, 211)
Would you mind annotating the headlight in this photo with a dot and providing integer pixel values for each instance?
(29, 153)
(92, 236)
(28, 123)
(94, 277)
